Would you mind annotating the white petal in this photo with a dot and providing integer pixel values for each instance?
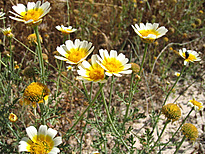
(127, 66)
(55, 150)
(108, 74)
(51, 132)
(155, 26)
(42, 130)
(94, 58)
(117, 74)
(57, 141)
(23, 146)
(30, 5)
(86, 64)
(19, 8)
(61, 51)
(113, 53)
(31, 131)
(61, 58)
(126, 72)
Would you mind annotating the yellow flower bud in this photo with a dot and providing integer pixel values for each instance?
(13, 117)
(190, 131)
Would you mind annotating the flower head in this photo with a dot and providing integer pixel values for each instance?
(91, 72)
(13, 117)
(177, 74)
(32, 14)
(66, 30)
(149, 32)
(32, 39)
(114, 64)
(7, 32)
(36, 92)
(135, 67)
(41, 142)
(76, 52)
(171, 111)
(189, 55)
(197, 105)
(190, 131)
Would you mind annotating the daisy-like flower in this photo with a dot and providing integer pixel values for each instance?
(177, 74)
(189, 55)
(7, 32)
(32, 14)
(114, 64)
(36, 92)
(13, 117)
(76, 52)
(41, 142)
(66, 30)
(91, 72)
(190, 131)
(171, 111)
(149, 32)
(197, 105)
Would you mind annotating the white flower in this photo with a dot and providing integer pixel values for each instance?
(66, 30)
(114, 64)
(41, 142)
(91, 72)
(149, 32)
(177, 74)
(189, 55)
(76, 52)
(7, 32)
(197, 105)
(32, 14)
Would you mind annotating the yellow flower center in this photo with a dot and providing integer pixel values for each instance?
(195, 103)
(35, 93)
(75, 55)
(95, 73)
(42, 145)
(188, 56)
(33, 14)
(113, 65)
(145, 33)
(66, 31)
(190, 131)
(171, 111)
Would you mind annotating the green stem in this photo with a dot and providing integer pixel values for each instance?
(111, 89)
(11, 57)
(167, 98)
(129, 102)
(165, 125)
(177, 149)
(177, 129)
(40, 57)
(112, 125)
(90, 104)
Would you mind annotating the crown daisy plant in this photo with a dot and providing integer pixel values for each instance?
(41, 141)
(35, 93)
(66, 30)
(189, 55)
(91, 72)
(32, 14)
(195, 104)
(149, 32)
(74, 53)
(113, 64)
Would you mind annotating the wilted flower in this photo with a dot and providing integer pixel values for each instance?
(13, 117)
(189, 55)
(91, 72)
(190, 131)
(171, 111)
(114, 64)
(36, 92)
(41, 142)
(195, 104)
(32, 14)
(149, 32)
(32, 39)
(66, 30)
(76, 52)
(7, 32)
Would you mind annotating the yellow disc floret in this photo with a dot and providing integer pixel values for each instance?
(95, 73)
(36, 92)
(190, 131)
(171, 111)
(75, 55)
(113, 65)
(33, 14)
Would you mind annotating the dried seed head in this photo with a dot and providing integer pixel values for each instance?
(171, 111)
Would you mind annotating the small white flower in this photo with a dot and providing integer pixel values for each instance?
(189, 55)
(149, 32)
(197, 105)
(66, 30)
(114, 64)
(91, 72)
(42, 141)
(32, 14)
(7, 32)
(177, 74)
(74, 53)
